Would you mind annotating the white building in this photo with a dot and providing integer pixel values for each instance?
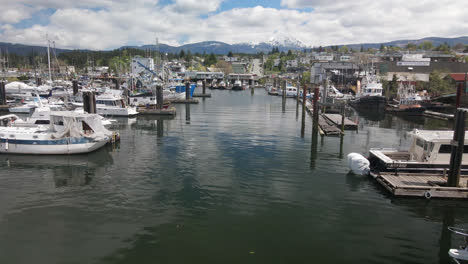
(137, 63)
(276, 62)
(305, 60)
(345, 58)
(324, 57)
(230, 59)
(291, 63)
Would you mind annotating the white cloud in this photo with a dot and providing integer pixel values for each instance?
(107, 24)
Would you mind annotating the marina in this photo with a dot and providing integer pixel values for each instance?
(225, 172)
(249, 146)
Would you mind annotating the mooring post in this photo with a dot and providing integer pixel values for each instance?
(117, 83)
(2, 94)
(89, 102)
(458, 143)
(298, 85)
(252, 90)
(159, 97)
(316, 108)
(187, 90)
(304, 98)
(204, 86)
(459, 94)
(39, 81)
(187, 113)
(75, 87)
(342, 117)
(284, 89)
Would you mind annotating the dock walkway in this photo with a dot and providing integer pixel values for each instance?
(336, 120)
(421, 185)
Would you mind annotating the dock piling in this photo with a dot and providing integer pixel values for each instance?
(457, 149)
(316, 108)
(204, 87)
(75, 87)
(187, 90)
(159, 97)
(2, 94)
(89, 102)
(342, 117)
(304, 98)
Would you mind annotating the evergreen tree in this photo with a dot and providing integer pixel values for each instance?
(230, 54)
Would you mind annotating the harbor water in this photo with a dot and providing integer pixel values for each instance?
(229, 180)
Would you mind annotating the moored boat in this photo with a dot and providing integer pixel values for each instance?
(67, 133)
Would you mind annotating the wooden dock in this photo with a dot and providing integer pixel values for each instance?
(170, 111)
(202, 95)
(438, 115)
(184, 101)
(327, 128)
(421, 185)
(336, 120)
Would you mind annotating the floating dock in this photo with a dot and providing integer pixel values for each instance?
(438, 115)
(201, 95)
(336, 120)
(170, 111)
(327, 128)
(184, 101)
(421, 185)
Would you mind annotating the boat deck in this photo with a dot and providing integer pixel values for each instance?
(421, 185)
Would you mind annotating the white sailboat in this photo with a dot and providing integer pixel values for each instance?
(67, 133)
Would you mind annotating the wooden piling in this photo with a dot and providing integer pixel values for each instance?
(89, 102)
(342, 117)
(159, 97)
(458, 143)
(298, 89)
(187, 90)
(316, 108)
(39, 81)
(304, 98)
(75, 87)
(459, 95)
(2, 94)
(204, 86)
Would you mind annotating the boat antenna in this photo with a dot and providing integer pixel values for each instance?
(48, 56)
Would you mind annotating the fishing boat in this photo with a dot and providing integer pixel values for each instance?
(410, 102)
(370, 96)
(429, 152)
(407, 106)
(67, 133)
(237, 86)
(221, 85)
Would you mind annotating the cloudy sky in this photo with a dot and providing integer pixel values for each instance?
(108, 24)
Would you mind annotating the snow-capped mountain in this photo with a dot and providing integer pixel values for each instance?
(283, 40)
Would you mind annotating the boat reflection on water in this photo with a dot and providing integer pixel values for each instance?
(370, 114)
(66, 170)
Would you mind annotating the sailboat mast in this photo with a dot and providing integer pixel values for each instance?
(48, 59)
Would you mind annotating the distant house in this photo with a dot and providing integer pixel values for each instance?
(291, 63)
(305, 60)
(460, 79)
(230, 59)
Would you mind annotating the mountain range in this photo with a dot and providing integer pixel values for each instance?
(284, 43)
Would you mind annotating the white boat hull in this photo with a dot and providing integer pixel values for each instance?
(52, 149)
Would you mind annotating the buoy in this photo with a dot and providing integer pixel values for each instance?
(358, 164)
(428, 194)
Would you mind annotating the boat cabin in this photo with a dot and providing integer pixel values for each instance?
(434, 146)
